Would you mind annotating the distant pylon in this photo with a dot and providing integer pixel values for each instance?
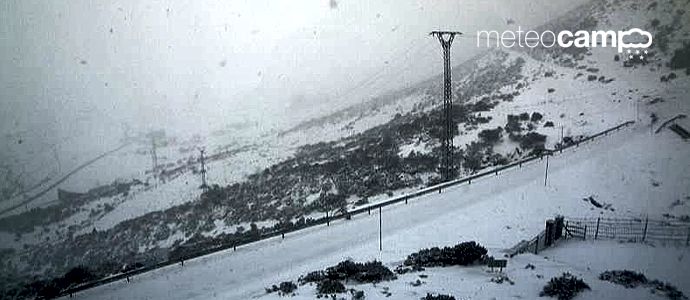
(154, 156)
(447, 168)
(203, 170)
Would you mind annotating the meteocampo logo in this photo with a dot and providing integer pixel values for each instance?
(634, 38)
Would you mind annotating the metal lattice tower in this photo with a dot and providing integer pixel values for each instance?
(447, 168)
(203, 170)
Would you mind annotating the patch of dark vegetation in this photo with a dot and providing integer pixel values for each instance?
(284, 289)
(626, 278)
(531, 140)
(331, 280)
(329, 287)
(51, 288)
(564, 287)
(357, 294)
(548, 124)
(681, 58)
(369, 272)
(491, 136)
(536, 117)
(462, 254)
(437, 297)
(632, 279)
(500, 279)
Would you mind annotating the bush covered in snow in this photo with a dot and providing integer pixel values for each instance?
(285, 288)
(369, 272)
(632, 279)
(330, 286)
(629, 279)
(564, 287)
(438, 297)
(462, 254)
(330, 280)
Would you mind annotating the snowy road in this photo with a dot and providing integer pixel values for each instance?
(496, 211)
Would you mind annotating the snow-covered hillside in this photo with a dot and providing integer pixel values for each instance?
(498, 212)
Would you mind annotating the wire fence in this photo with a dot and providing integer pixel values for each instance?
(636, 230)
(197, 250)
(629, 229)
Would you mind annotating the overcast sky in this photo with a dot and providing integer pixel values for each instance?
(78, 72)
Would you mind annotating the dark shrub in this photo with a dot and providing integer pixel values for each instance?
(532, 140)
(628, 279)
(357, 295)
(524, 116)
(667, 290)
(314, 276)
(287, 287)
(330, 286)
(551, 90)
(491, 136)
(78, 275)
(681, 58)
(438, 297)
(565, 287)
(49, 290)
(369, 272)
(548, 124)
(536, 117)
(513, 124)
(462, 254)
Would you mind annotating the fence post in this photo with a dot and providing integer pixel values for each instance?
(567, 230)
(584, 236)
(596, 233)
(536, 246)
(559, 228)
(644, 234)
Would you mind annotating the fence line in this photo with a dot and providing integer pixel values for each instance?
(630, 229)
(622, 229)
(537, 243)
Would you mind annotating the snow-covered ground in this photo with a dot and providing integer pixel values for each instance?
(497, 212)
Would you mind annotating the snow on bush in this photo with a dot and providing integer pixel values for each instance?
(438, 297)
(462, 254)
(565, 287)
(631, 279)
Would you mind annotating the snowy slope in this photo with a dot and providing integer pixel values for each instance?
(498, 212)
(576, 106)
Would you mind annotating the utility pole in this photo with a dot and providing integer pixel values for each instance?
(446, 39)
(203, 170)
(546, 172)
(380, 231)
